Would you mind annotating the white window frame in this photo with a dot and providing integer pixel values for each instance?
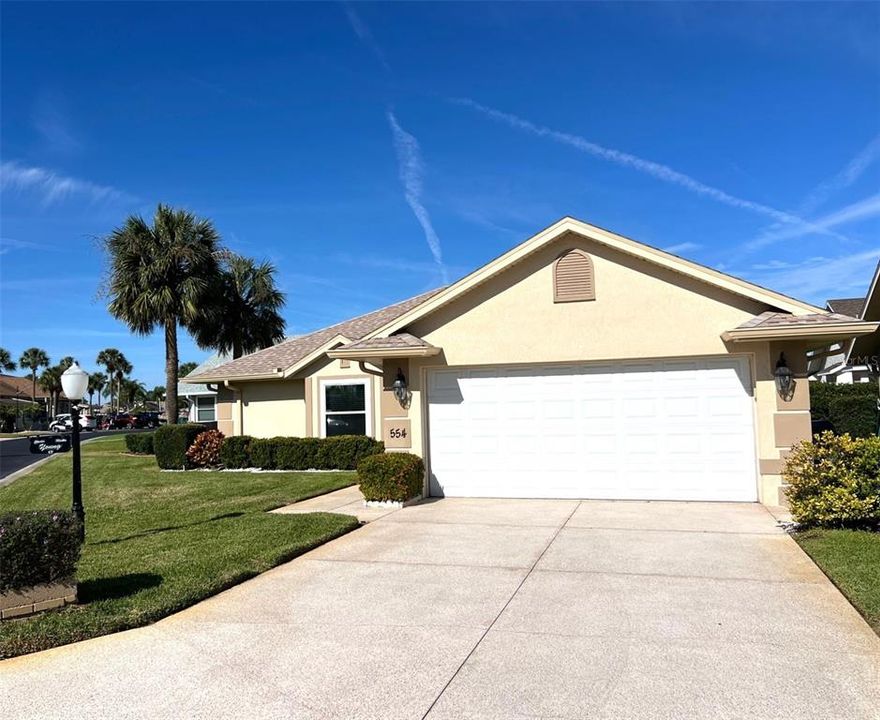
(368, 402)
(198, 399)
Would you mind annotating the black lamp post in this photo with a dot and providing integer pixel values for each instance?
(75, 381)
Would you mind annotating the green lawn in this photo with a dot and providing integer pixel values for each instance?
(851, 558)
(157, 542)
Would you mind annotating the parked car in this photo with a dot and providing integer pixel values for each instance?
(118, 421)
(64, 423)
(147, 420)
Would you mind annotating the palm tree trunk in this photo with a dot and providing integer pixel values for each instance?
(34, 386)
(171, 370)
(237, 350)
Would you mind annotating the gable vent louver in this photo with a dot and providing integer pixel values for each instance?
(573, 279)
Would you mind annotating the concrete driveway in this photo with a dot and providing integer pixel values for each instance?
(495, 609)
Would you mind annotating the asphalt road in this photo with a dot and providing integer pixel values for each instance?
(15, 454)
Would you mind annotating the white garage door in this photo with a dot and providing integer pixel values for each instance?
(663, 430)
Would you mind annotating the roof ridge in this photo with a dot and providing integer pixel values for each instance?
(292, 350)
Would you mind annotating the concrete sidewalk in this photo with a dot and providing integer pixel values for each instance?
(495, 609)
(347, 501)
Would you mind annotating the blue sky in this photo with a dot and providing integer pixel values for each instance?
(372, 150)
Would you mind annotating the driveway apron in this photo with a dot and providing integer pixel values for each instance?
(465, 608)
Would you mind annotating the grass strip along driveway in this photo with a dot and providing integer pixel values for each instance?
(157, 542)
(851, 559)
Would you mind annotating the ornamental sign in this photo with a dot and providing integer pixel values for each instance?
(49, 444)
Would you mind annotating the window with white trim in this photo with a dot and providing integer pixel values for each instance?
(206, 409)
(345, 408)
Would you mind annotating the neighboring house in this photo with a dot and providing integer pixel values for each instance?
(578, 364)
(18, 390)
(834, 365)
(201, 398)
(850, 361)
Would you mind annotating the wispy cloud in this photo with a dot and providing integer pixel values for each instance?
(683, 247)
(412, 170)
(52, 187)
(847, 176)
(9, 244)
(648, 167)
(862, 210)
(362, 30)
(818, 278)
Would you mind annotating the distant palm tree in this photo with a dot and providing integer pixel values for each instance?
(116, 365)
(50, 381)
(186, 368)
(131, 391)
(243, 314)
(160, 277)
(6, 363)
(33, 359)
(97, 381)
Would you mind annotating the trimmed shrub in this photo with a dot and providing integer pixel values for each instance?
(171, 442)
(391, 476)
(297, 453)
(263, 453)
(205, 450)
(139, 443)
(291, 453)
(851, 409)
(235, 452)
(37, 546)
(834, 481)
(344, 452)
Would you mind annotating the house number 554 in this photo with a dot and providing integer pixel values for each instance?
(397, 433)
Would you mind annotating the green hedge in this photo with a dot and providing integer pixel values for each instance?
(851, 409)
(391, 476)
(263, 453)
(140, 443)
(834, 481)
(292, 453)
(171, 442)
(236, 452)
(37, 546)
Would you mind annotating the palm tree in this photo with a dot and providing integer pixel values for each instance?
(33, 359)
(97, 381)
(244, 309)
(186, 368)
(116, 365)
(157, 394)
(130, 391)
(123, 368)
(160, 276)
(50, 381)
(6, 363)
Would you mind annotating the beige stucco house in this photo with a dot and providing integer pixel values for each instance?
(579, 364)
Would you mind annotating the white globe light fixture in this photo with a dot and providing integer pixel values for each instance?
(75, 382)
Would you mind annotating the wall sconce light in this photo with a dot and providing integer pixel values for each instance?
(784, 378)
(400, 390)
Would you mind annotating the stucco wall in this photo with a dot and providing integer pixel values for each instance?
(640, 310)
(270, 408)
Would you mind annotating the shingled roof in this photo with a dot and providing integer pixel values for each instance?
(777, 319)
(847, 306)
(289, 352)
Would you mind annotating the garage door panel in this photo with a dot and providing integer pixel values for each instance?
(678, 430)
